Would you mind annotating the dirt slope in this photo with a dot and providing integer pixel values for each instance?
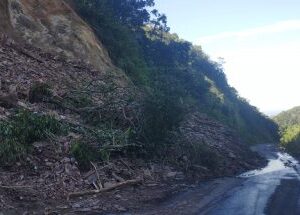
(54, 27)
(41, 182)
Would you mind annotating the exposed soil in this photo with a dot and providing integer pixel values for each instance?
(42, 182)
(53, 26)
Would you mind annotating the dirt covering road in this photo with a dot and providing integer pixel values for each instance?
(272, 190)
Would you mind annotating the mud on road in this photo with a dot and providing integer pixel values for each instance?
(274, 189)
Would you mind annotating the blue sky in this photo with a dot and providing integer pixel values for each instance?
(259, 40)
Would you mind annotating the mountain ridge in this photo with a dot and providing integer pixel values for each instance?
(289, 117)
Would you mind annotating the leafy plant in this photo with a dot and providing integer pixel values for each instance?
(175, 77)
(85, 153)
(39, 92)
(21, 130)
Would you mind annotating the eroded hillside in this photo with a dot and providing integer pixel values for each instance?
(54, 27)
(68, 128)
(54, 113)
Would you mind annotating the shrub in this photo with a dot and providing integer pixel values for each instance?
(39, 92)
(26, 127)
(21, 130)
(85, 154)
(10, 152)
(79, 100)
(290, 139)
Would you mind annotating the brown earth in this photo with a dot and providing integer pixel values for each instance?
(42, 181)
(54, 27)
(55, 47)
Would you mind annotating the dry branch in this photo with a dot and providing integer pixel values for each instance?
(15, 187)
(92, 192)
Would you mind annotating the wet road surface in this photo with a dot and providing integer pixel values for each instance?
(273, 190)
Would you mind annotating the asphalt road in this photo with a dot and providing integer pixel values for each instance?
(273, 190)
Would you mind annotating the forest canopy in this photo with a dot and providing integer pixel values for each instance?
(177, 76)
(289, 123)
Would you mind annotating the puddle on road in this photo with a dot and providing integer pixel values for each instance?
(283, 161)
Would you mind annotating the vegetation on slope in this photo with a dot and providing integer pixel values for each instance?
(288, 118)
(177, 76)
(289, 122)
(174, 78)
(18, 133)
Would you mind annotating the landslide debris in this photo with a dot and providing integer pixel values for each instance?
(49, 116)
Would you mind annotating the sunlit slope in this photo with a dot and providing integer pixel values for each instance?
(289, 117)
(54, 27)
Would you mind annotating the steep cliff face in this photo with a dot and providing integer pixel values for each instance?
(54, 27)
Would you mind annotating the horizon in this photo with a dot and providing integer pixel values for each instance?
(259, 42)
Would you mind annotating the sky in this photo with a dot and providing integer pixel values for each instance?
(258, 39)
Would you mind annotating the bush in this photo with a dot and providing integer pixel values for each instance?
(85, 154)
(78, 100)
(26, 127)
(10, 152)
(290, 139)
(21, 130)
(39, 92)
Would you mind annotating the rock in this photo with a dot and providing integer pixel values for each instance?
(8, 100)
(200, 168)
(120, 208)
(108, 184)
(68, 168)
(73, 160)
(22, 104)
(73, 135)
(49, 164)
(232, 155)
(179, 176)
(171, 174)
(118, 196)
(85, 210)
(76, 205)
(147, 174)
(66, 160)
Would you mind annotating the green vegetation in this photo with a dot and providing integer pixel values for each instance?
(288, 118)
(290, 139)
(290, 134)
(176, 77)
(289, 122)
(21, 130)
(39, 92)
(99, 143)
(84, 154)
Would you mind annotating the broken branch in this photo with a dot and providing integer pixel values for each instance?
(92, 192)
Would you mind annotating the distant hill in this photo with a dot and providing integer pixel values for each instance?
(289, 123)
(288, 118)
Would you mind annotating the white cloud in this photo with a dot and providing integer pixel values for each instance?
(264, 67)
(288, 25)
(268, 76)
